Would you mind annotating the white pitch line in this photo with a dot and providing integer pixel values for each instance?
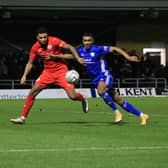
(131, 148)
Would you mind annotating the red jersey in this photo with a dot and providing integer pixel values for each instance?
(54, 46)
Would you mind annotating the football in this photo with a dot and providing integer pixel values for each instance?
(72, 76)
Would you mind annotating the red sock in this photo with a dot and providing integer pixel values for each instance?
(27, 106)
(79, 96)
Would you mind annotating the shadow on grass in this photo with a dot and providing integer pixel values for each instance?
(77, 123)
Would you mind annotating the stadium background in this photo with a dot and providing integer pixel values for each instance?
(57, 132)
(131, 25)
(119, 22)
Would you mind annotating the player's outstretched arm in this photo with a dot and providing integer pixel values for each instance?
(74, 53)
(123, 53)
(27, 70)
(55, 57)
(65, 56)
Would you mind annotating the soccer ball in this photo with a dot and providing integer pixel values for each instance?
(72, 76)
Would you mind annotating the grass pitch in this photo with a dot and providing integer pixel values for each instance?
(58, 134)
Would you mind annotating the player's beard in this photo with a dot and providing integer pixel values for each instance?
(44, 45)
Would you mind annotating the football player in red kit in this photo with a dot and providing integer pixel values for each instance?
(55, 68)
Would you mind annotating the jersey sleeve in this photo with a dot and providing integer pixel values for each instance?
(104, 50)
(59, 42)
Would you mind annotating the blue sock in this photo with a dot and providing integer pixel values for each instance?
(107, 98)
(130, 108)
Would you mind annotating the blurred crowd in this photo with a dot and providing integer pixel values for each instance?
(146, 68)
(13, 61)
(12, 64)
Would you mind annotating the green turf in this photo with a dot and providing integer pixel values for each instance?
(57, 134)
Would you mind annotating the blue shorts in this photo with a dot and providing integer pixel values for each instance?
(105, 77)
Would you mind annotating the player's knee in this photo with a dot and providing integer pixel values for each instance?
(118, 100)
(100, 92)
(73, 97)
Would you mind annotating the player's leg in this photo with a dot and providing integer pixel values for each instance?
(102, 91)
(129, 107)
(27, 105)
(70, 90)
(42, 82)
(80, 97)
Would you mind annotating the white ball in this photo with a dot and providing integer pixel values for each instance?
(72, 76)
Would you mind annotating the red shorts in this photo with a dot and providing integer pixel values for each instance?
(54, 78)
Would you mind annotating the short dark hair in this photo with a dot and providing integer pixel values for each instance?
(41, 30)
(88, 34)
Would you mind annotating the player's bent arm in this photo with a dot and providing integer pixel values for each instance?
(64, 56)
(27, 70)
(123, 53)
(74, 53)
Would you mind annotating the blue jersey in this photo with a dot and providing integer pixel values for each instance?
(96, 66)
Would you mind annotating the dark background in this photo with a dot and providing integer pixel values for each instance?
(68, 19)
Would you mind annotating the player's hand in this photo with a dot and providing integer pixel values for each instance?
(134, 59)
(52, 57)
(48, 57)
(23, 80)
(82, 61)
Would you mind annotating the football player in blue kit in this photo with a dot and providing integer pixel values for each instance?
(101, 77)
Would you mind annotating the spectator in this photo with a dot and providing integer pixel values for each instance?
(3, 68)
